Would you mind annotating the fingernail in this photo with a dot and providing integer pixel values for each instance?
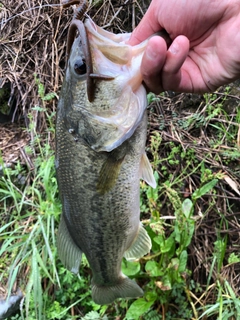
(150, 53)
(174, 48)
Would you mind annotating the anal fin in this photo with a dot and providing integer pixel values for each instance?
(68, 251)
(142, 245)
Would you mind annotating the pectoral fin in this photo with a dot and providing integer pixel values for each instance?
(68, 251)
(146, 172)
(141, 245)
(109, 172)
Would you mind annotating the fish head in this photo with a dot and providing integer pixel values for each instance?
(104, 65)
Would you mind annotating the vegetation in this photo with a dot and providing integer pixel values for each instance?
(192, 216)
(190, 185)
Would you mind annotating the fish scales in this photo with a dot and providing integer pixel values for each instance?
(103, 217)
(98, 170)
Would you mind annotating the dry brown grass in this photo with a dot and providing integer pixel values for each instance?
(33, 41)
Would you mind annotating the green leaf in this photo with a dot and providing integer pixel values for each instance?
(49, 96)
(41, 90)
(12, 279)
(138, 308)
(233, 258)
(151, 295)
(204, 189)
(37, 287)
(92, 315)
(175, 263)
(183, 261)
(152, 268)
(184, 233)
(166, 245)
(38, 108)
(130, 268)
(187, 208)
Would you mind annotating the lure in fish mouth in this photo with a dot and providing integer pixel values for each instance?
(101, 131)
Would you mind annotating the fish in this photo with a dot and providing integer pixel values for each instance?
(101, 129)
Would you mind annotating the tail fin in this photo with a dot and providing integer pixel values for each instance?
(126, 288)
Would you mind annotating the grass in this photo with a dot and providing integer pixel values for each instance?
(188, 275)
(192, 216)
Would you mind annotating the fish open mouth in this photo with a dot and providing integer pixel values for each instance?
(77, 27)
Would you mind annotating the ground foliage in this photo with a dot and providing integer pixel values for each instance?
(194, 146)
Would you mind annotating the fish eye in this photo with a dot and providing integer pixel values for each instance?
(80, 66)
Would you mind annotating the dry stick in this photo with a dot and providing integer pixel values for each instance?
(18, 51)
(26, 158)
(115, 15)
(133, 15)
(139, 7)
(57, 60)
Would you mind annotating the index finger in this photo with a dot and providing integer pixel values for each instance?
(146, 28)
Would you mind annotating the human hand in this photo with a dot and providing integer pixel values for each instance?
(205, 52)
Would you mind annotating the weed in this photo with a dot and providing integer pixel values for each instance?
(227, 306)
(31, 209)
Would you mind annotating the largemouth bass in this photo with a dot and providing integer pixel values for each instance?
(100, 156)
